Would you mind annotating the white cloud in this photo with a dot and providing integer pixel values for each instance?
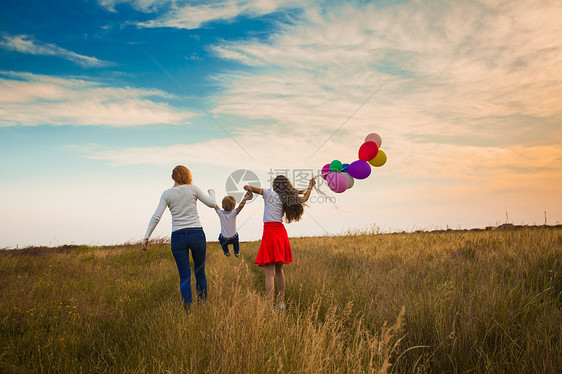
(29, 99)
(182, 15)
(143, 5)
(26, 44)
(468, 60)
(288, 148)
(259, 150)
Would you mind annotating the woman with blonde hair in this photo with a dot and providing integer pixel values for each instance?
(187, 233)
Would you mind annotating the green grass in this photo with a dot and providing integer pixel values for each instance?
(413, 302)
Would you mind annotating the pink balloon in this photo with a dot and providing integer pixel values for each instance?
(374, 138)
(325, 170)
(368, 151)
(337, 182)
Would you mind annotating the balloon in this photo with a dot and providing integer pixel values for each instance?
(325, 170)
(379, 160)
(344, 168)
(368, 151)
(336, 165)
(374, 138)
(350, 180)
(337, 182)
(359, 169)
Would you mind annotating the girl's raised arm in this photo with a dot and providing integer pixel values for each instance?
(254, 189)
(311, 184)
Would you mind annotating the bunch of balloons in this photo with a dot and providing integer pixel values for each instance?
(341, 177)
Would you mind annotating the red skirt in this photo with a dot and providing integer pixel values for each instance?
(275, 247)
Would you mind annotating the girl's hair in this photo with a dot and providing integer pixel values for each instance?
(181, 174)
(228, 203)
(293, 207)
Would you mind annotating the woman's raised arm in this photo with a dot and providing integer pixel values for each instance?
(209, 199)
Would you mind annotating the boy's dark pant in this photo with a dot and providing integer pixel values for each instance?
(224, 242)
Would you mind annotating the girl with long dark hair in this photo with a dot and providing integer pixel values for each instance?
(283, 200)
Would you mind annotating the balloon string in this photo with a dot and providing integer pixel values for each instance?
(327, 197)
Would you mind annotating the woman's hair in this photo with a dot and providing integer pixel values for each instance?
(228, 203)
(181, 174)
(293, 207)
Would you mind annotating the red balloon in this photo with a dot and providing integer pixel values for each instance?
(368, 151)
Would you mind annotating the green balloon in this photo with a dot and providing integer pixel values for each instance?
(335, 166)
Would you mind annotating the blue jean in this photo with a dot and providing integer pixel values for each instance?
(183, 241)
(224, 242)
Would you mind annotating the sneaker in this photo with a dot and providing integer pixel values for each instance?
(237, 255)
(227, 254)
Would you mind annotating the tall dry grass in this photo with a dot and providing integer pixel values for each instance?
(418, 302)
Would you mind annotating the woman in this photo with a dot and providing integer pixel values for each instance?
(186, 230)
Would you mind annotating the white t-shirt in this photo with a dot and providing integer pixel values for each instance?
(273, 207)
(228, 222)
(182, 201)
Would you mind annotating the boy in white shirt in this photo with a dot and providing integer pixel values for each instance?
(227, 216)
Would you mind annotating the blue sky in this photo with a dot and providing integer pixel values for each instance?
(100, 99)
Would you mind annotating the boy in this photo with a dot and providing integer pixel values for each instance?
(227, 216)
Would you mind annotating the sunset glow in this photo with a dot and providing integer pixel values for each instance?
(100, 100)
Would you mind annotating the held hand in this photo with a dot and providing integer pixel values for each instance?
(249, 195)
(145, 244)
(247, 187)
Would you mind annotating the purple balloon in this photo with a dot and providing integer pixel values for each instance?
(359, 169)
(337, 182)
(325, 170)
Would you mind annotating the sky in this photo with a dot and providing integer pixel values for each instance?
(100, 99)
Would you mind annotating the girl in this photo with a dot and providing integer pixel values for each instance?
(275, 249)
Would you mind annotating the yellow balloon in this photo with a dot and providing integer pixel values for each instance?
(379, 160)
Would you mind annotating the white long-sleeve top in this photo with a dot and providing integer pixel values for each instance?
(273, 207)
(182, 201)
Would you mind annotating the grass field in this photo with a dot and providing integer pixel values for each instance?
(413, 302)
